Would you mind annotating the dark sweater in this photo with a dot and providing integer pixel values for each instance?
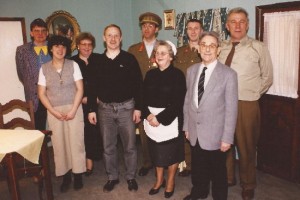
(114, 81)
(165, 89)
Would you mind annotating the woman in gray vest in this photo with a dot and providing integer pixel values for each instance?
(60, 89)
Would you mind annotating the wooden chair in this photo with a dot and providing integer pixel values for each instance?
(22, 167)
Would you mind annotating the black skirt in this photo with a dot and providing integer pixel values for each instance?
(167, 153)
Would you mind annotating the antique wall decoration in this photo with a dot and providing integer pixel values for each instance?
(63, 23)
(169, 19)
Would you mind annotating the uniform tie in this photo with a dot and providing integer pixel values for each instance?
(231, 53)
(38, 49)
(201, 84)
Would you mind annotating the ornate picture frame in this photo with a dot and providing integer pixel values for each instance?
(169, 19)
(63, 23)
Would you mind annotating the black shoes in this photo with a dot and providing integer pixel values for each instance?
(144, 171)
(132, 185)
(154, 191)
(109, 186)
(189, 197)
(184, 173)
(67, 179)
(169, 194)
(89, 172)
(77, 182)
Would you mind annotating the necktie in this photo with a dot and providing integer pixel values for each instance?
(201, 84)
(231, 53)
(38, 49)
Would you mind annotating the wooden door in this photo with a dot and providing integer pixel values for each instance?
(278, 151)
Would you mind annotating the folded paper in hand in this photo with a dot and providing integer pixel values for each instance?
(161, 133)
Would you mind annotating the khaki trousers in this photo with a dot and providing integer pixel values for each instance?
(68, 142)
(246, 138)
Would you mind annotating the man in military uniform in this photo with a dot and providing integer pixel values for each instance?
(186, 56)
(150, 24)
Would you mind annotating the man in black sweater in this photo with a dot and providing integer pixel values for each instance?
(116, 80)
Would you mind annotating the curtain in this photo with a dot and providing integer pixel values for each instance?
(212, 20)
(281, 34)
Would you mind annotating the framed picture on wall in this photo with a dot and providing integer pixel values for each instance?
(169, 19)
(63, 23)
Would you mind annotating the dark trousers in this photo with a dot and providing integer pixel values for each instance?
(92, 137)
(40, 117)
(208, 166)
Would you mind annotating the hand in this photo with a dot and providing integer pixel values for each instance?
(150, 117)
(60, 116)
(225, 146)
(70, 115)
(153, 122)
(136, 116)
(92, 118)
(187, 136)
(84, 100)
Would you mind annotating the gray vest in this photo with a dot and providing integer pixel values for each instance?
(60, 93)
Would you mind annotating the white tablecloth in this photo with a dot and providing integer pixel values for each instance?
(27, 143)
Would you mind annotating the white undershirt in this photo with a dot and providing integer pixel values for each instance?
(76, 75)
(208, 72)
(149, 47)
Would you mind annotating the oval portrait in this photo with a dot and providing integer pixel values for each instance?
(63, 23)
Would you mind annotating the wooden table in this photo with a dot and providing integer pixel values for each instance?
(30, 144)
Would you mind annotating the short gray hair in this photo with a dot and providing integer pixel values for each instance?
(210, 33)
(238, 10)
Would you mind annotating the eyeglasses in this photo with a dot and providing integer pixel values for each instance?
(211, 46)
(86, 44)
(161, 54)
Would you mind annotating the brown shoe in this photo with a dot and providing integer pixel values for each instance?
(231, 183)
(247, 194)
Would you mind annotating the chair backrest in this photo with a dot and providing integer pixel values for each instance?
(17, 121)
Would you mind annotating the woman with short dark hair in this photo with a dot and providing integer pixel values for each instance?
(60, 89)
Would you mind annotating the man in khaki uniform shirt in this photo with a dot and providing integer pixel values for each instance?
(143, 51)
(252, 62)
(186, 56)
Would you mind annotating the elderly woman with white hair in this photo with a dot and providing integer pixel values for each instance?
(163, 94)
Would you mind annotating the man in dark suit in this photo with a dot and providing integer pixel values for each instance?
(210, 113)
(29, 58)
(143, 51)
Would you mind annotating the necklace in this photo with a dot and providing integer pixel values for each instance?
(61, 73)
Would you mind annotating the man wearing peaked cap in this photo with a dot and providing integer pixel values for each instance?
(150, 24)
(149, 17)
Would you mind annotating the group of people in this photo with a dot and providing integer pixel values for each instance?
(191, 104)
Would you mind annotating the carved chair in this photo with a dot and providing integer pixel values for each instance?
(24, 168)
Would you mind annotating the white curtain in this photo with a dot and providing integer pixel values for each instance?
(281, 34)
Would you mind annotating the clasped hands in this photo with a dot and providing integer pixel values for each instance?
(64, 116)
(152, 120)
